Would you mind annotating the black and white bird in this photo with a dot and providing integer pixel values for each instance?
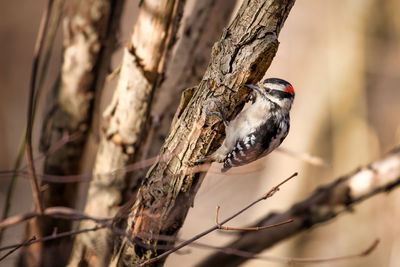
(259, 129)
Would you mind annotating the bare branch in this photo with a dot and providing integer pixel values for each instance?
(28, 138)
(323, 205)
(26, 243)
(54, 236)
(311, 159)
(65, 212)
(267, 195)
(246, 255)
(70, 214)
(221, 227)
(48, 47)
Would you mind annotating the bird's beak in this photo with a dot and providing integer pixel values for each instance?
(256, 88)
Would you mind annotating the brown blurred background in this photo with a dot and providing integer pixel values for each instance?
(343, 58)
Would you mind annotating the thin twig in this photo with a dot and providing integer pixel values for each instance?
(11, 185)
(18, 171)
(17, 247)
(54, 236)
(364, 253)
(67, 213)
(221, 227)
(269, 194)
(113, 74)
(127, 169)
(313, 160)
(57, 13)
(30, 118)
(230, 251)
(84, 177)
(65, 139)
(326, 203)
(287, 260)
(275, 189)
(10, 221)
(64, 212)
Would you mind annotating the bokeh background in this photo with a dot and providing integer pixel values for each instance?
(343, 59)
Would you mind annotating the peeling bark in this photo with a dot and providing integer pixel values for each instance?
(89, 29)
(242, 55)
(125, 120)
(325, 204)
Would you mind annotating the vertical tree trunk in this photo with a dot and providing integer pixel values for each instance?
(89, 29)
(242, 55)
(125, 120)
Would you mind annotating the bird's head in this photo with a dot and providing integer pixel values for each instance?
(276, 90)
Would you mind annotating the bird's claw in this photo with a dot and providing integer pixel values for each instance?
(219, 113)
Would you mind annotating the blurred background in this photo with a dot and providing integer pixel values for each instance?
(343, 59)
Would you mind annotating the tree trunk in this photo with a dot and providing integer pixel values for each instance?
(242, 55)
(201, 27)
(125, 118)
(89, 38)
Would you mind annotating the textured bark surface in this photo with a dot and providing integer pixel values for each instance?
(201, 28)
(242, 55)
(89, 29)
(125, 120)
(323, 205)
(202, 25)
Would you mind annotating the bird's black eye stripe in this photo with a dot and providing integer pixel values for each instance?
(280, 94)
(267, 89)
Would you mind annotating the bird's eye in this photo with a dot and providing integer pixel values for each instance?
(267, 89)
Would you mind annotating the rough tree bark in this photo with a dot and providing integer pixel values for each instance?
(125, 120)
(323, 205)
(89, 38)
(242, 55)
(201, 27)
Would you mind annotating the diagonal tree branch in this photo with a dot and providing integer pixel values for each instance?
(323, 205)
(202, 25)
(327, 202)
(217, 226)
(242, 55)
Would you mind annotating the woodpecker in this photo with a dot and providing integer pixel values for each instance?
(259, 129)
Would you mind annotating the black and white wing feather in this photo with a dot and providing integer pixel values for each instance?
(258, 143)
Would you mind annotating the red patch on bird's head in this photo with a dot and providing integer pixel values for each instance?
(289, 89)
